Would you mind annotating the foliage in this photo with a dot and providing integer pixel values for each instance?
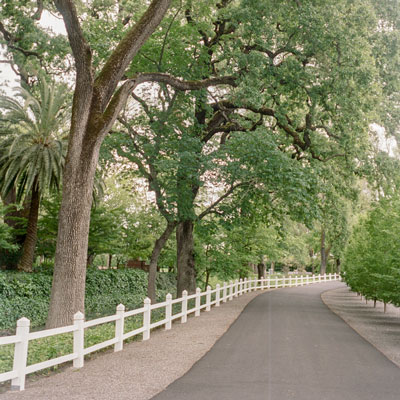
(6, 235)
(32, 148)
(372, 257)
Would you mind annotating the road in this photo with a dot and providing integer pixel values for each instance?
(285, 345)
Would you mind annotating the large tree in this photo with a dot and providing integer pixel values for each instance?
(98, 99)
(306, 88)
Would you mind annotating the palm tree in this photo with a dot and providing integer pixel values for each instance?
(32, 151)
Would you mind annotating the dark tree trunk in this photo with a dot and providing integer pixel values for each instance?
(324, 253)
(109, 261)
(90, 259)
(28, 248)
(261, 270)
(207, 279)
(158, 246)
(338, 265)
(185, 258)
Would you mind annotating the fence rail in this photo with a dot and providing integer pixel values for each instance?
(221, 295)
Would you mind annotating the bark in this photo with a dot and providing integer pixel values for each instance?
(28, 248)
(325, 251)
(272, 267)
(338, 265)
(207, 279)
(90, 259)
(261, 269)
(158, 246)
(109, 261)
(185, 258)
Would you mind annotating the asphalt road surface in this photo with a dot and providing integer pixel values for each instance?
(287, 344)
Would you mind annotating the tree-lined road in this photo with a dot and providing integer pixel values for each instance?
(288, 345)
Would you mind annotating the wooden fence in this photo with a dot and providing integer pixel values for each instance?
(202, 300)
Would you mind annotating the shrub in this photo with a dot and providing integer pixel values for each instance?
(28, 295)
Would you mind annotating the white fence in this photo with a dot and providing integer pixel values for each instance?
(212, 297)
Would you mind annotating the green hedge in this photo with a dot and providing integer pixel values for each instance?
(27, 295)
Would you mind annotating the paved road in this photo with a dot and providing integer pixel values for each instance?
(285, 345)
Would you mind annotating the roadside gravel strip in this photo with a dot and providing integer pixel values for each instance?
(381, 329)
(142, 369)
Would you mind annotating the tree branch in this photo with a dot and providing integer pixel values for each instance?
(224, 196)
(115, 67)
(80, 48)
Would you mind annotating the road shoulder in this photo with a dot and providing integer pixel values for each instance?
(380, 329)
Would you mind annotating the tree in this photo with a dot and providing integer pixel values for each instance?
(372, 257)
(306, 81)
(32, 155)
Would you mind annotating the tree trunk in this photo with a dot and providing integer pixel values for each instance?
(261, 268)
(338, 265)
(28, 248)
(185, 258)
(324, 253)
(109, 261)
(207, 279)
(90, 259)
(272, 267)
(158, 246)
(68, 290)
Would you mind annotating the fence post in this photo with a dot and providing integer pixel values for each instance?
(218, 295)
(119, 327)
(269, 283)
(236, 288)
(241, 286)
(224, 293)
(79, 335)
(325, 277)
(146, 318)
(168, 311)
(21, 354)
(230, 290)
(330, 276)
(208, 298)
(184, 306)
(197, 303)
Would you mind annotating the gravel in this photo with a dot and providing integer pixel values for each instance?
(381, 329)
(142, 369)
